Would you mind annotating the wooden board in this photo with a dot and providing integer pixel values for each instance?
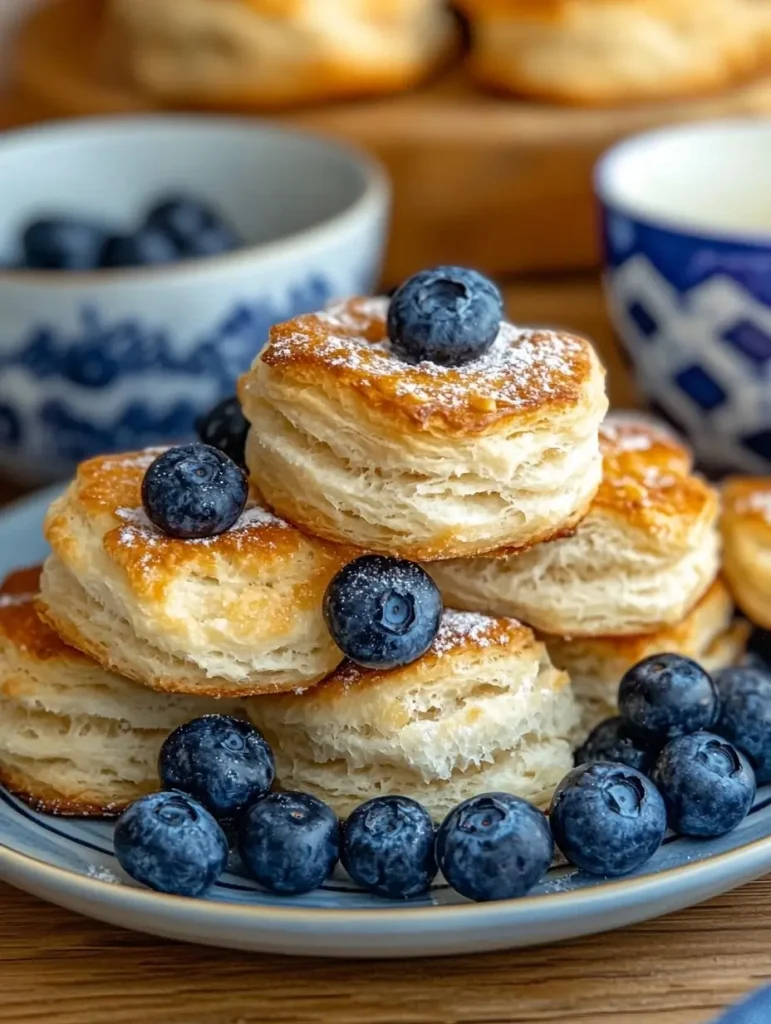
(492, 182)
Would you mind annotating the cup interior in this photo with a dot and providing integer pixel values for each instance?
(270, 183)
(710, 179)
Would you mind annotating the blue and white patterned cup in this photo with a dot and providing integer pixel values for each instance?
(121, 359)
(686, 216)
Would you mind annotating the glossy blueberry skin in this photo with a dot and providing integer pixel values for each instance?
(708, 786)
(194, 491)
(667, 695)
(382, 612)
(193, 227)
(448, 315)
(62, 243)
(145, 248)
(608, 819)
(745, 715)
(494, 847)
(612, 740)
(225, 428)
(289, 842)
(171, 843)
(223, 762)
(387, 847)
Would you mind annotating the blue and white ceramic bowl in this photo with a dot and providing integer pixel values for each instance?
(121, 359)
(687, 230)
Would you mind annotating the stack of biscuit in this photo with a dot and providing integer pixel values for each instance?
(639, 575)
(564, 547)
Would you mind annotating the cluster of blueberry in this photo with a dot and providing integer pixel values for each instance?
(685, 751)
(174, 229)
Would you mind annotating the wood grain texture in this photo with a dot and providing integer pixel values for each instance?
(489, 181)
(63, 969)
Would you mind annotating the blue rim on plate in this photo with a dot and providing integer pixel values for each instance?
(70, 862)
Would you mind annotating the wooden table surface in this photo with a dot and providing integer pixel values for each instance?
(64, 969)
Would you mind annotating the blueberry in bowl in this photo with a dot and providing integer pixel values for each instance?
(387, 847)
(170, 843)
(708, 786)
(144, 248)
(447, 315)
(221, 761)
(494, 847)
(608, 819)
(383, 612)
(289, 842)
(194, 491)
(192, 225)
(613, 740)
(667, 695)
(63, 243)
(745, 715)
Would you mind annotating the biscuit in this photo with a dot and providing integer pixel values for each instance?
(604, 52)
(277, 53)
(642, 557)
(75, 739)
(225, 616)
(746, 527)
(423, 461)
(483, 710)
(708, 634)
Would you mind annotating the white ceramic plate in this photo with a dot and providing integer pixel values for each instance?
(70, 862)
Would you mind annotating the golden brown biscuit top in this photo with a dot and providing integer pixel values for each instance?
(526, 373)
(20, 624)
(554, 10)
(110, 486)
(647, 479)
(460, 633)
(748, 499)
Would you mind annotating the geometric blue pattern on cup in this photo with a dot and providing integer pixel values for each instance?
(645, 322)
(703, 389)
(751, 340)
(694, 316)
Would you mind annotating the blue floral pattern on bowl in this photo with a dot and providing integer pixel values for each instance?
(115, 384)
(694, 316)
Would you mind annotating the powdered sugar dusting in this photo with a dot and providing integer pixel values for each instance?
(522, 368)
(139, 530)
(138, 460)
(461, 628)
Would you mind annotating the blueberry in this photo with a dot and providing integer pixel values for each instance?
(289, 842)
(62, 243)
(759, 646)
(745, 715)
(193, 227)
(145, 248)
(223, 762)
(383, 612)
(448, 315)
(494, 847)
(388, 847)
(171, 843)
(608, 819)
(667, 695)
(707, 785)
(612, 740)
(194, 491)
(225, 428)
